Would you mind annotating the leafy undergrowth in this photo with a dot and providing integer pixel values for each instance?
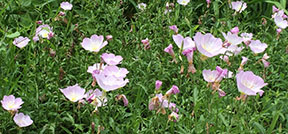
(35, 75)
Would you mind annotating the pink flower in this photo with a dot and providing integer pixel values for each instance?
(257, 46)
(146, 43)
(249, 84)
(73, 93)
(173, 90)
(187, 42)
(21, 41)
(189, 54)
(225, 58)
(115, 71)
(96, 66)
(124, 99)
(96, 98)
(275, 9)
(94, 44)
(208, 3)
(215, 75)
(62, 13)
(43, 31)
(234, 30)
(110, 82)
(66, 5)
(169, 50)
(39, 22)
(11, 103)
(208, 45)
(183, 2)
(239, 6)
(232, 39)
(22, 120)
(243, 62)
(247, 37)
(174, 28)
(173, 117)
(111, 59)
(280, 22)
(264, 60)
(109, 37)
(221, 93)
(158, 84)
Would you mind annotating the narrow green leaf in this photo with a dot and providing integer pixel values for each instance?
(13, 35)
(260, 127)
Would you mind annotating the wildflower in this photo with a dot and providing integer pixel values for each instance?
(159, 102)
(234, 30)
(66, 5)
(243, 62)
(73, 93)
(189, 54)
(43, 31)
(221, 93)
(94, 44)
(170, 51)
(142, 6)
(173, 117)
(247, 37)
(275, 9)
(21, 41)
(239, 6)
(11, 103)
(167, 8)
(232, 39)
(183, 2)
(110, 82)
(174, 28)
(173, 90)
(158, 84)
(208, 45)
(111, 59)
(280, 22)
(264, 60)
(22, 120)
(146, 43)
(39, 22)
(97, 66)
(62, 13)
(208, 3)
(123, 97)
(186, 42)
(249, 84)
(109, 37)
(225, 58)
(115, 71)
(257, 47)
(96, 98)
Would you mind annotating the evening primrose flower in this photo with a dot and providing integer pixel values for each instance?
(280, 22)
(22, 120)
(243, 62)
(249, 84)
(174, 28)
(142, 6)
(247, 37)
(73, 93)
(173, 90)
(234, 30)
(66, 5)
(146, 43)
(111, 59)
(97, 66)
(94, 44)
(110, 82)
(208, 45)
(187, 42)
(264, 60)
(21, 41)
(257, 47)
(115, 71)
(11, 103)
(208, 3)
(158, 84)
(43, 31)
(124, 99)
(189, 54)
(173, 117)
(183, 2)
(239, 6)
(96, 98)
(170, 51)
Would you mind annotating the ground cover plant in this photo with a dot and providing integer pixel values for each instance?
(128, 66)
